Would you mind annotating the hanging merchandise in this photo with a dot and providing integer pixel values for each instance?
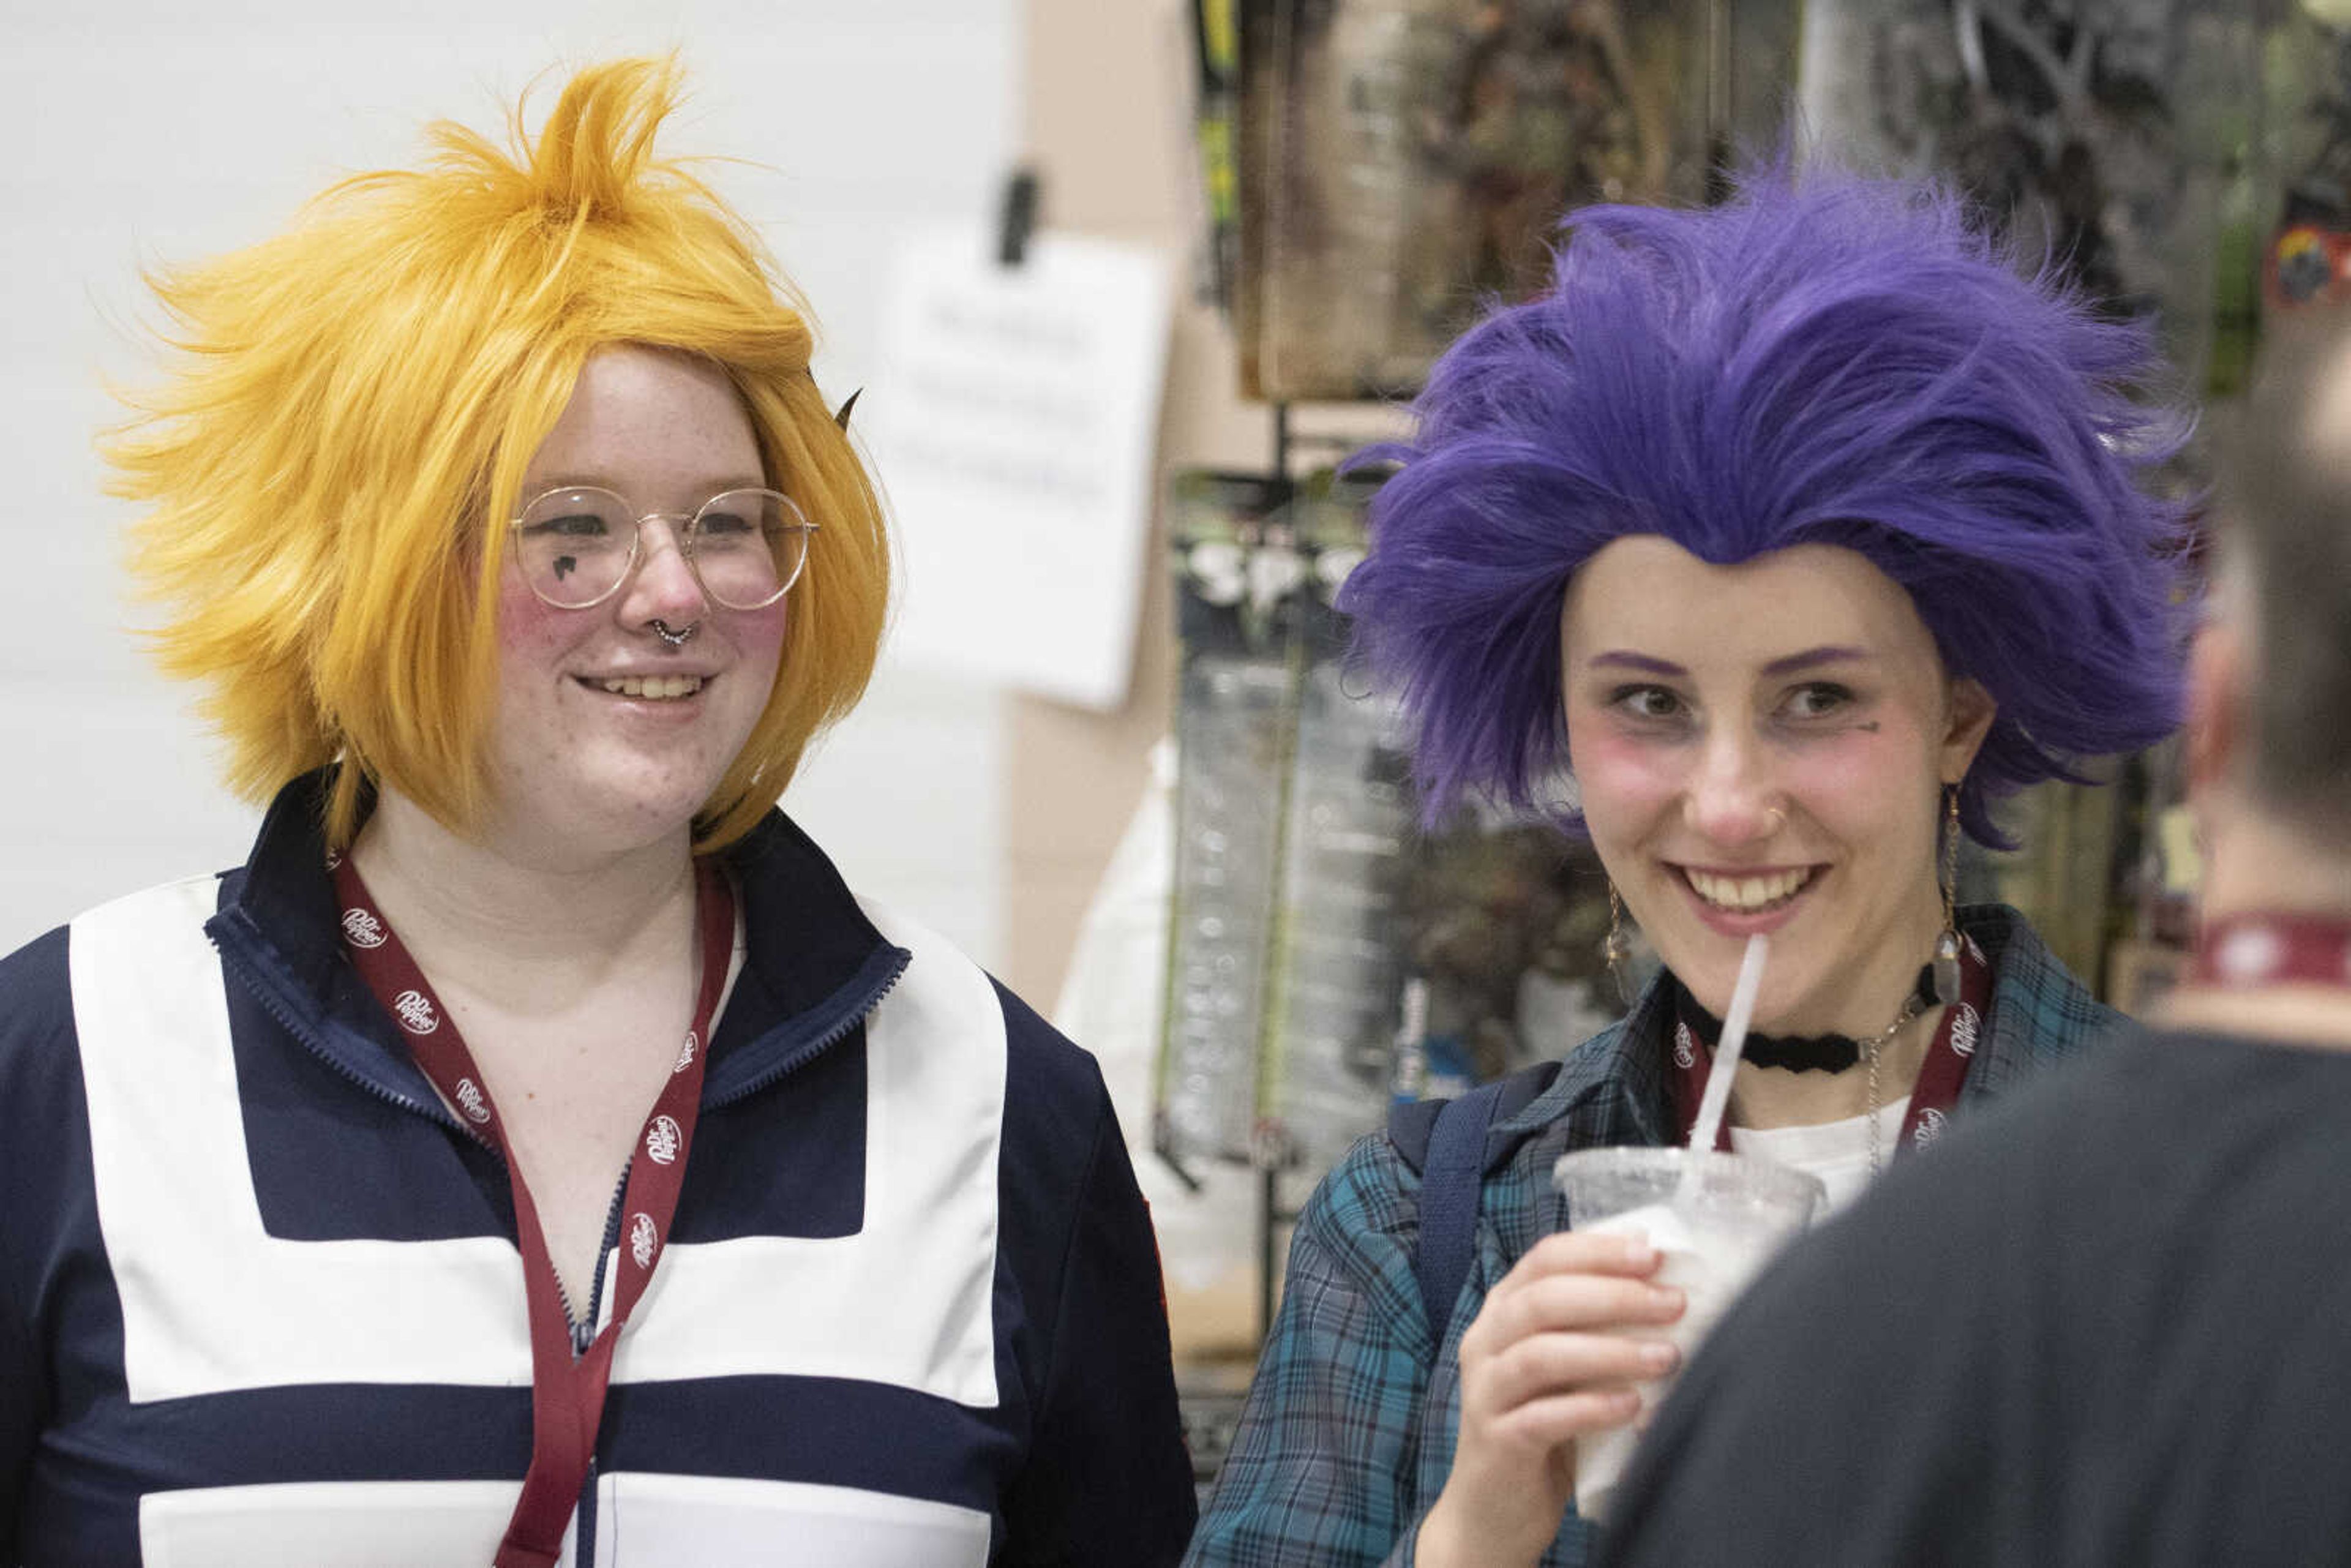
(2108, 137)
(1338, 963)
(1327, 957)
(1505, 926)
(1401, 160)
(1235, 568)
(2099, 131)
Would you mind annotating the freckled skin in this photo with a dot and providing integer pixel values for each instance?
(577, 771)
(1729, 764)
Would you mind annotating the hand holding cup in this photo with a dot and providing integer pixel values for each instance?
(1553, 1353)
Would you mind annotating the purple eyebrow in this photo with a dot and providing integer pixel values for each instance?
(1811, 656)
(1625, 659)
(1620, 658)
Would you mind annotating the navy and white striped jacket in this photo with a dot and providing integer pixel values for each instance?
(260, 1300)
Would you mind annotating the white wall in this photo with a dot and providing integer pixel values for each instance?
(143, 132)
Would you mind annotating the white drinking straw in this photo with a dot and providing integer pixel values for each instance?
(1717, 1097)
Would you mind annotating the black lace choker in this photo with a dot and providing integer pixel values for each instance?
(1795, 1053)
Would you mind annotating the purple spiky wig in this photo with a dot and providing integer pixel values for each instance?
(1823, 359)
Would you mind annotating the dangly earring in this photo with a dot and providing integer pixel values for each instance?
(1618, 948)
(1947, 946)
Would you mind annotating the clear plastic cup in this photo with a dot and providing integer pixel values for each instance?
(1735, 1213)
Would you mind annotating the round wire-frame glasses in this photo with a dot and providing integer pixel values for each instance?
(745, 548)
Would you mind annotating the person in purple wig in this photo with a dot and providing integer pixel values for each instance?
(1769, 547)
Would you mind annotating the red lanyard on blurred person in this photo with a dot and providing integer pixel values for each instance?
(568, 1381)
(2274, 948)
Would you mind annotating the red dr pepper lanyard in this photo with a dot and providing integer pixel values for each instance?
(567, 1403)
(1940, 1076)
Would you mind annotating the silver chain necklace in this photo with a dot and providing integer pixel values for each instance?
(1872, 1049)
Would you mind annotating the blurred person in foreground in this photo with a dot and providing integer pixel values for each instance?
(1779, 525)
(535, 1150)
(2106, 1326)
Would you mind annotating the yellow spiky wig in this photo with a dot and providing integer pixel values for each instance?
(330, 466)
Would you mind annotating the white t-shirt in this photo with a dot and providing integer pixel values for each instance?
(1837, 1152)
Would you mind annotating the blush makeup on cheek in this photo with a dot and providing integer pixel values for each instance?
(764, 628)
(1629, 766)
(1855, 764)
(524, 615)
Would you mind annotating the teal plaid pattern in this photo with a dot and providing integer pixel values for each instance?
(1348, 1433)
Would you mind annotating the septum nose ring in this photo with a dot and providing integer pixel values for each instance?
(680, 637)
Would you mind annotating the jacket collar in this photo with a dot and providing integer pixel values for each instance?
(814, 967)
(814, 964)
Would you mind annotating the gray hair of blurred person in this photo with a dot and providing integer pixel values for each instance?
(2288, 536)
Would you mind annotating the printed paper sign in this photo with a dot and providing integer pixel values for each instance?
(1013, 424)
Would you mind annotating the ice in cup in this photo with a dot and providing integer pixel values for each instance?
(1715, 1231)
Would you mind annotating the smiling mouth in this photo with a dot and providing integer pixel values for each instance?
(1758, 894)
(659, 688)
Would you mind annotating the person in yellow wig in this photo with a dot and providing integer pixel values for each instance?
(535, 1146)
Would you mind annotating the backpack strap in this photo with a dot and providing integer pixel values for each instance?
(1450, 1139)
(1450, 1190)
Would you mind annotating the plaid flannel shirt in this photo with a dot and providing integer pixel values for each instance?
(1348, 1433)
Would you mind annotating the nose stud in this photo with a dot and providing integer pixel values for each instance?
(678, 638)
(1775, 817)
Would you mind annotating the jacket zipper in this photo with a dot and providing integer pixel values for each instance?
(583, 1334)
(583, 1331)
